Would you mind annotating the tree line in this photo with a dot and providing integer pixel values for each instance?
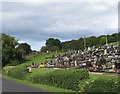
(55, 44)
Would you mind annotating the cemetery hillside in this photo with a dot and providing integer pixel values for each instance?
(87, 64)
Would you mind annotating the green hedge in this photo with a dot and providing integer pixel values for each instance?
(18, 73)
(100, 85)
(68, 79)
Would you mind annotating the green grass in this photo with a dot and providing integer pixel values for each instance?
(39, 71)
(114, 43)
(94, 77)
(38, 59)
(55, 89)
(42, 71)
(39, 86)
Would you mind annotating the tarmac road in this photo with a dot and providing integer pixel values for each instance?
(11, 86)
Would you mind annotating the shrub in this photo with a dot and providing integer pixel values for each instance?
(6, 69)
(18, 73)
(15, 62)
(102, 85)
(68, 79)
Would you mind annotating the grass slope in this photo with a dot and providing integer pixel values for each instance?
(38, 59)
(43, 71)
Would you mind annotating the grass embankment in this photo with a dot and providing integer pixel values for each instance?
(38, 71)
(39, 86)
(43, 71)
(55, 89)
(42, 57)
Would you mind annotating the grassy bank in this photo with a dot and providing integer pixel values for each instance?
(41, 57)
(43, 71)
(39, 86)
(55, 89)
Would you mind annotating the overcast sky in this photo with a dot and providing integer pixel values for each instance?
(34, 22)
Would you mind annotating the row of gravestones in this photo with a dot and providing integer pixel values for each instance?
(77, 57)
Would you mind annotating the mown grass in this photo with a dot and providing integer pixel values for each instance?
(38, 59)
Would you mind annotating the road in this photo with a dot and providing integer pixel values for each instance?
(11, 86)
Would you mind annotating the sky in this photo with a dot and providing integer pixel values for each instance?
(34, 21)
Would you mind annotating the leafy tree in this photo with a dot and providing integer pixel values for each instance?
(8, 49)
(103, 40)
(91, 41)
(44, 48)
(115, 35)
(24, 48)
(54, 48)
(53, 42)
(111, 39)
(52, 45)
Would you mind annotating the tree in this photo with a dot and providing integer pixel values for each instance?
(8, 49)
(111, 39)
(44, 49)
(102, 40)
(91, 41)
(53, 42)
(24, 48)
(54, 48)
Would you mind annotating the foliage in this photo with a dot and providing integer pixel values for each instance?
(102, 40)
(90, 41)
(15, 62)
(111, 39)
(11, 55)
(51, 49)
(24, 48)
(68, 79)
(6, 69)
(52, 45)
(102, 85)
(8, 49)
(18, 73)
(53, 42)
(44, 49)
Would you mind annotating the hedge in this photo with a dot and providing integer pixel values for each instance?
(101, 85)
(18, 73)
(67, 79)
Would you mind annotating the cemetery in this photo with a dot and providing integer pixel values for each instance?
(70, 71)
(102, 59)
(73, 67)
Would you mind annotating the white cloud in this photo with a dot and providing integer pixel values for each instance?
(35, 22)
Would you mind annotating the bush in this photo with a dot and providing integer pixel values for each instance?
(6, 69)
(15, 62)
(18, 73)
(68, 79)
(102, 85)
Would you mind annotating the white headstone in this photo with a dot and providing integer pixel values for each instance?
(75, 63)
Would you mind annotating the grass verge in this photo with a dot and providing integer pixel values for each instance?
(39, 86)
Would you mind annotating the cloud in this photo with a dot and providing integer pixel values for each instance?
(35, 22)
